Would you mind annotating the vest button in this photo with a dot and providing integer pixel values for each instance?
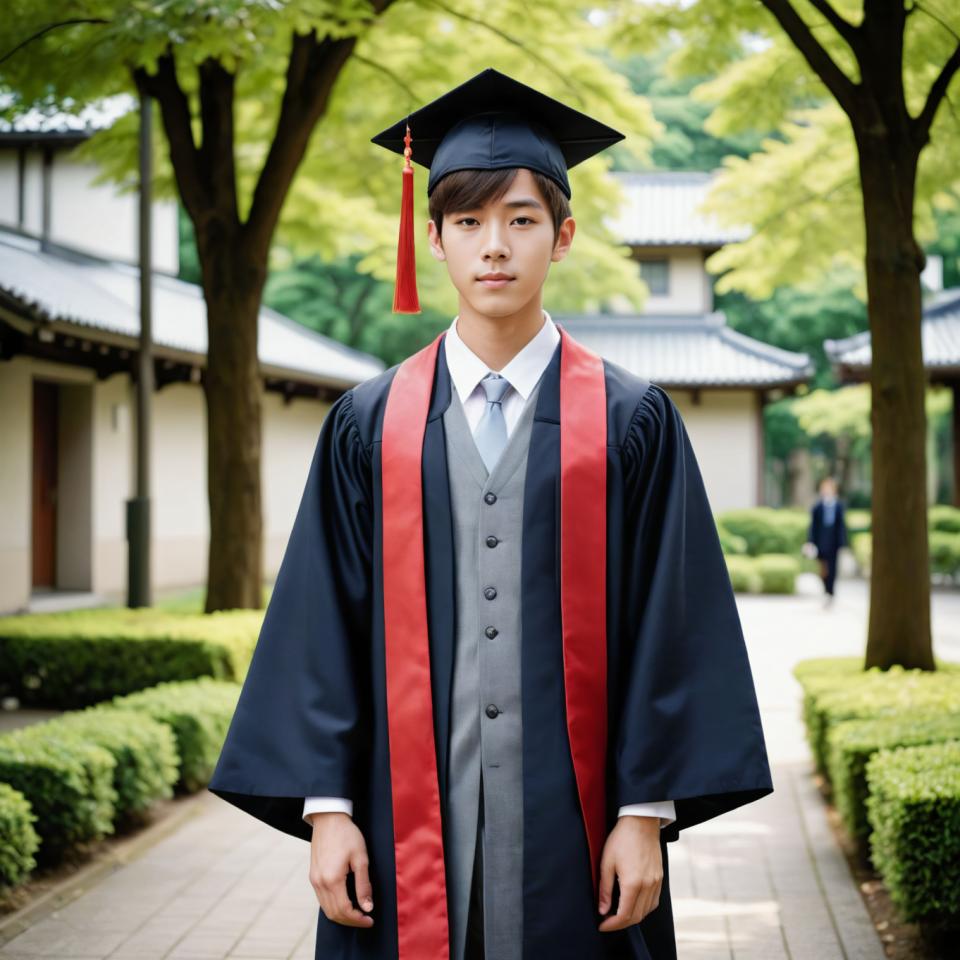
(491, 632)
(492, 710)
(489, 592)
(490, 497)
(492, 541)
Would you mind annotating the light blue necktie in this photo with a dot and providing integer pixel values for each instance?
(491, 432)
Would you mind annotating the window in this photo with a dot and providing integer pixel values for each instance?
(656, 275)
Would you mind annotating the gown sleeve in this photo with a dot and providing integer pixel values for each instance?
(689, 725)
(300, 725)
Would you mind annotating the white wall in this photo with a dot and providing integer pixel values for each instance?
(98, 453)
(94, 219)
(724, 435)
(689, 286)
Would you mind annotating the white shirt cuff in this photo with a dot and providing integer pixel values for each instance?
(327, 805)
(665, 810)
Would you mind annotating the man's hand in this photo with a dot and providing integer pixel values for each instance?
(632, 853)
(337, 847)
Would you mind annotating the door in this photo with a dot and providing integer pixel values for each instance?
(45, 434)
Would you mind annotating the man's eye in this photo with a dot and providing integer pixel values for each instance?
(474, 219)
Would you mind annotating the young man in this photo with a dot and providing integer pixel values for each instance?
(827, 534)
(502, 665)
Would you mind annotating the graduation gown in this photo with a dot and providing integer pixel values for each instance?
(682, 716)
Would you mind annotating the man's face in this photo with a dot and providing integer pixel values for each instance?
(513, 237)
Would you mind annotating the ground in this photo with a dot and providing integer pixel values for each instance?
(766, 882)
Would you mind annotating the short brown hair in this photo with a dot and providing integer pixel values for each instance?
(469, 189)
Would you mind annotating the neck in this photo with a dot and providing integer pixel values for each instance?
(497, 340)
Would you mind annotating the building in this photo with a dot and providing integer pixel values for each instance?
(718, 378)
(940, 338)
(69, 328)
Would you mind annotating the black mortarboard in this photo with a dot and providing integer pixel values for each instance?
(487, 123)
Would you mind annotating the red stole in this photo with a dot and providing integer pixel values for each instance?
(418, 841)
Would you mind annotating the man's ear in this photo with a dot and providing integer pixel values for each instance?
(436, 242)
(564, 239)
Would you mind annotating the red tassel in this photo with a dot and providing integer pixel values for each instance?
(405, 299)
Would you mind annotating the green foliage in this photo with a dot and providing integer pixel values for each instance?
(800, 318)
(345, 197)
(778, 572)
(914, 811)
(145, 752)
(834, 695)
(767, 530)
(743, 574)
(68, 783)
(801, 191)
(852, 743)
(18, 839)
(944, 518)
(731, 543)
(198, 712)
(81, 657)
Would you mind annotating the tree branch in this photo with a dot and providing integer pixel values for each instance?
(46, 30)
(938, 90)
(311, 71)
(823, 65)
(164, 87)
(216, 154)
(844, 27)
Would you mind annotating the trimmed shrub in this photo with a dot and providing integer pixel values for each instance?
(730, 543)
(944, 552)
(852, 743)
(914, 811)
(829, 700)
(768, 530)
(199, 713)
(18, 839)
(145, 752)
(82, 657)
(67, 781)
(862, 546)
(743, 574)
(777, 572)
(944, 518)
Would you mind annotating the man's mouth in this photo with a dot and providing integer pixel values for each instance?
(495, 280)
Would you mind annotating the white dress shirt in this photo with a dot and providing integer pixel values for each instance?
(523, 371)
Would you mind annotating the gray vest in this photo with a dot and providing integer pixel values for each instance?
(486, 730)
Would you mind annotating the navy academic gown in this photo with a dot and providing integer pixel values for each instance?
(683, 719)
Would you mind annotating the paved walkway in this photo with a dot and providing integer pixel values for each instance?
(766, 882)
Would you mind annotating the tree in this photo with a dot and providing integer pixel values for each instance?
(861, 86)
(241, 86)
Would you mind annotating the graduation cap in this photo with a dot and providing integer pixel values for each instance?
(490, 122)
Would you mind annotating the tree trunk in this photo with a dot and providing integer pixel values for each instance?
(233, 289)
(899, 624)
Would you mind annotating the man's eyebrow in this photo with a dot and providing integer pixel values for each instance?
(524, 202)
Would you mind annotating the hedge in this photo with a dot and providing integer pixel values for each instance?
(767, 529)
(851, 744)
(914, 811)
(82, 657)
(67, 781)
(198, 712)
(777, 572)
(845, 691)
(18, 839)
(145, 752)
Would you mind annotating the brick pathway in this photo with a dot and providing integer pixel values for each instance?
(766, 882)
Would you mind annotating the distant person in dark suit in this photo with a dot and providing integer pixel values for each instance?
(827, 534)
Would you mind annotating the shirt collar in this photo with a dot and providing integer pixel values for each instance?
(523, 370)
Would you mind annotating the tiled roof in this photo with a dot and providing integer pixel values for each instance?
(59, 124)
(104, 295)
(661, 209)
(689, 351)
(939, 331)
